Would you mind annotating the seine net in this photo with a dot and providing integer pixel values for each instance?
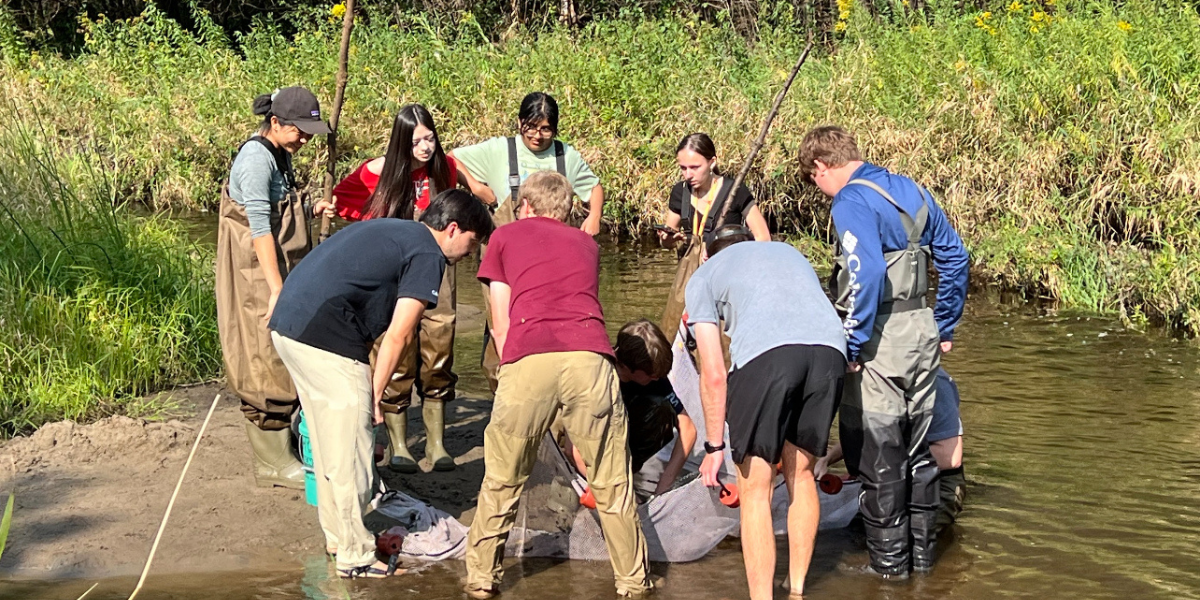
(681, 525)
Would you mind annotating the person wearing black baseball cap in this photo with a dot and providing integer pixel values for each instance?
(263, 233)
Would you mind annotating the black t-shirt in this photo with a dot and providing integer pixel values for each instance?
(742, 203)
(341, 297)
(653, 413)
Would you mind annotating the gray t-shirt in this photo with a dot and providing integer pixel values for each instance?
(768, 295)
(256, 183)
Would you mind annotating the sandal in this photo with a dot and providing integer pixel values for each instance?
(364, 572)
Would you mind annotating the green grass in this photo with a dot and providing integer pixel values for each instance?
(1060, 138)
(97, 307)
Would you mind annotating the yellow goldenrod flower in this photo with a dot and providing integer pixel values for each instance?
(961, 65)
(1124, 26)
(1037, 16)
(840, 26)
(1015, 6)
(338, 10)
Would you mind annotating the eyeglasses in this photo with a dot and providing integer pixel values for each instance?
(544, 130)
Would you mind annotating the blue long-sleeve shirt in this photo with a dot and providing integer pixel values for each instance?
(869, 226)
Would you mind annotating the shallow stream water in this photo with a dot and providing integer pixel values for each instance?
(1082, 459)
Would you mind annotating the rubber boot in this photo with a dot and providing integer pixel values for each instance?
(397, 427)
(274, 464)
(923, 527)
(952, 486)
(434, 414)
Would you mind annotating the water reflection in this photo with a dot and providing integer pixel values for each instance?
(1082, 456)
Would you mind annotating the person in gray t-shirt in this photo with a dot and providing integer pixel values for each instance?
(789, 360)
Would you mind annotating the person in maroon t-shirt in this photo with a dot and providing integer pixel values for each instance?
(399, 185)
(543, 278)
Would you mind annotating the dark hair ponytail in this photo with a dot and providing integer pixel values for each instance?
(263, 104)
(538, 106)
(395, 196)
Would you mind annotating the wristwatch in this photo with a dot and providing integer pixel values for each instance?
(709, 448)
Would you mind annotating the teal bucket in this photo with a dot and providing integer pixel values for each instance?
(310, 477)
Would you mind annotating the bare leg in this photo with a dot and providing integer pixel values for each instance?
(804, 513)
(755, 477)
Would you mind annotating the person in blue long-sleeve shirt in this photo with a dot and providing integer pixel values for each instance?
(889, 228)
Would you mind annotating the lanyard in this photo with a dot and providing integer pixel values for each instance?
(698, 224)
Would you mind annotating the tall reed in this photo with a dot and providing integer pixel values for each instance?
(97, 307)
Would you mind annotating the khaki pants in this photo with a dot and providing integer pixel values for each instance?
(336, 394)
(584, 386)
(427, 364)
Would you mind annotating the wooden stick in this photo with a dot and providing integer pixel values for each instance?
(336, 113)
(762, 134)
(162, 526)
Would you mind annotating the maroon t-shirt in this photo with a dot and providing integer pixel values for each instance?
(554, 272)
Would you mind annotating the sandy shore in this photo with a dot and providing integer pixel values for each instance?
(89, 498)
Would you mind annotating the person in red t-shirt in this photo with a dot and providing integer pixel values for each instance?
(543, 278)
(399, 185)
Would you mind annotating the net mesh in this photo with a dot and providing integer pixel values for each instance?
(681, 525)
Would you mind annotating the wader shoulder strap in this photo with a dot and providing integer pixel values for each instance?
(283, 160)
(560, 158)
(718, 204)
(910, 226)
(514, 169)
(685, 205)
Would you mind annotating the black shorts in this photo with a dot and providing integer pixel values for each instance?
(789, 393)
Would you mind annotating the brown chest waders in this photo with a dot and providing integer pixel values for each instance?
(887, 406)
(504, 214)
(427, 366)
(252, 367)
(691, 256)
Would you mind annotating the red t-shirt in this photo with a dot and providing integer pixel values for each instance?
(554, 272)
(354, 191)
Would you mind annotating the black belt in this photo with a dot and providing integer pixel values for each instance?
(899, 306)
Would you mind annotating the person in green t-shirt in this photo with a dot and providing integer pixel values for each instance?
(535, 149)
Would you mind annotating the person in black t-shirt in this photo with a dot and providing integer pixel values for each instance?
(374, 278)
(654, 412)
(693, 209)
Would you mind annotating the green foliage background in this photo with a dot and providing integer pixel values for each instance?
(1059, 136)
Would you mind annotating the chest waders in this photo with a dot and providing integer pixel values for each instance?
(427, 364)
(887, 406)
(691, 255)
(503, 215)
(253, 369)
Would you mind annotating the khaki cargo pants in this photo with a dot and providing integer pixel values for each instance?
(584, 386)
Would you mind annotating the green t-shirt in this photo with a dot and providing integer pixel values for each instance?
(488, 162)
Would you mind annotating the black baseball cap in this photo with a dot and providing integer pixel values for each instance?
(299, 107)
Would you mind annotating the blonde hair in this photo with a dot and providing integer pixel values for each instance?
(829, 144)
(642, 346)
(548, 193)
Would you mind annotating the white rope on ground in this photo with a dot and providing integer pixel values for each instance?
(89, 590)
(162, 526)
